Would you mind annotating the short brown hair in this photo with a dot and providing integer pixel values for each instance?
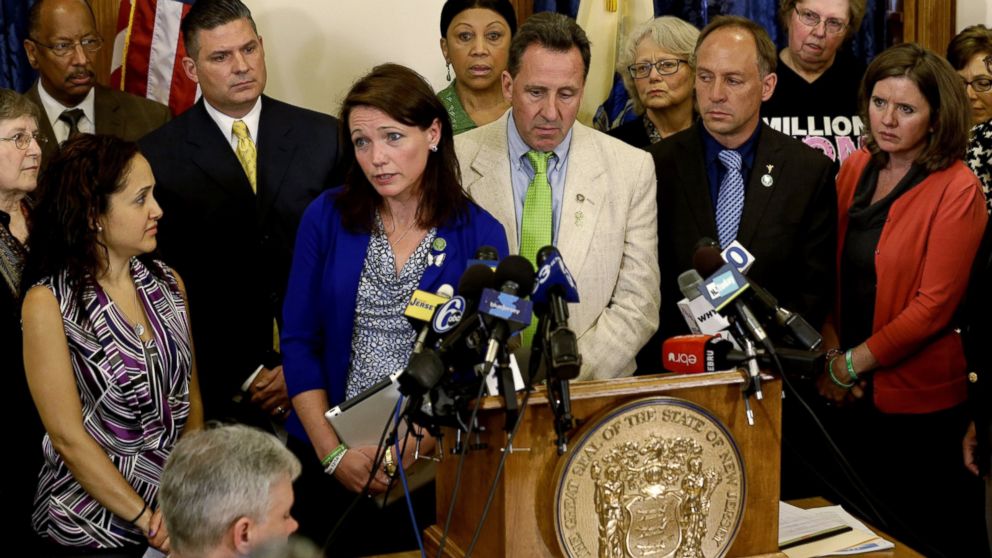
(552, 31)
(14, 105)
(766, 53)
(407, 98)
(950, 112)
(855, 13)
(973, 40)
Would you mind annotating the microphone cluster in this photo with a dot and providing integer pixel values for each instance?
(462, 339)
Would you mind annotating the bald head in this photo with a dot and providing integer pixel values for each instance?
(65, 73)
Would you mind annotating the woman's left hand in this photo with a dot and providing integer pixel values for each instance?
(158, 535)
(832, 392)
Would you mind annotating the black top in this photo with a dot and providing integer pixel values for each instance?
(632, 133)
(857, 266)
(823, 114)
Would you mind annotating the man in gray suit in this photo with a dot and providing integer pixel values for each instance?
(600, 211)
(62, 40)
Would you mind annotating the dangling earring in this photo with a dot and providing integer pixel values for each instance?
(448, 64)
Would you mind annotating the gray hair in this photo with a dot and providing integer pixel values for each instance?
(216, 476)
(671, 33)
(14, 105)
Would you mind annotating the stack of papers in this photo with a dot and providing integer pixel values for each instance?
(826, 531)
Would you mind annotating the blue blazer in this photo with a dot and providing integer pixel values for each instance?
(319, 313)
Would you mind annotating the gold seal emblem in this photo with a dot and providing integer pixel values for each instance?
(658, 477)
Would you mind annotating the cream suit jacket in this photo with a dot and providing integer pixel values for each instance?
(607, 235)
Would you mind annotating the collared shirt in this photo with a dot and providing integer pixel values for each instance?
(715, 170)
(521, 173)
(226, 123)
(54, 109)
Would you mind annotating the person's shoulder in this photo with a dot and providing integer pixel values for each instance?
(135, 104)
(674, 144)
(606, 144)
(797, 149)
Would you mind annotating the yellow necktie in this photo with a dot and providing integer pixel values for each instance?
(246, 152)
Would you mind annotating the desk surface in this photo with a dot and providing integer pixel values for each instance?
(900, 550)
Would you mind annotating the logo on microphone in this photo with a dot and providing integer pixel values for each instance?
(448, 315)
(681, 358)
(422, 304)
(505, 306)
(723, 283)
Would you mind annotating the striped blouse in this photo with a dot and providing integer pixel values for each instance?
(134, 410)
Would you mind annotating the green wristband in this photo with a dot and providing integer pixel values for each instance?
(849, 358)
(342, 447)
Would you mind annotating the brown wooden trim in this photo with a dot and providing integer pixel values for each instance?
(106, 24)
(931, 23)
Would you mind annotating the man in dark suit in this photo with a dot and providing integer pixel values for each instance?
(784, 207)
(61, 43)
(235, 173)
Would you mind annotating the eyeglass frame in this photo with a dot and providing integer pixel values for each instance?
(656, 66)
(988, 63)
(72, 46)
(36, 136)
(819, 18)
(975, 89)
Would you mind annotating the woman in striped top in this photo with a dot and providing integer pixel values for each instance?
(107, 351)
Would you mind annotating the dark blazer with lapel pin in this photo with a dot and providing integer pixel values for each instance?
(789, 226)
(119, 114)
(232, 247)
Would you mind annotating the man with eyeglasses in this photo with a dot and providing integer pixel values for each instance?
(731, 178)
(551, 180)
(816, 98)
(62, 41)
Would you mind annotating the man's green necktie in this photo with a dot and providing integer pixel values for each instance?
(535, 224)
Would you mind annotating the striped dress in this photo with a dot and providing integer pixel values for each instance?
(134, 405)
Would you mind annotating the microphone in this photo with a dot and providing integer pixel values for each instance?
(455, 329)
(692, 354)
(797, 330)
(553, 289)
(515, 277)
(698, 313)
(422, 308)
(724, 287)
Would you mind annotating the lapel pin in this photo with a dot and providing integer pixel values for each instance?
(580, 198)
(766, 179)
(439, 260)
(578, 218)
(439, 244)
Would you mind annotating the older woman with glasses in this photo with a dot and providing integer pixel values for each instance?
(816, 98)
(970, 53)
(20, 158)
(658, 72)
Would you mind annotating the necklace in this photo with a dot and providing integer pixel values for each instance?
(139, 329)
(393, 243)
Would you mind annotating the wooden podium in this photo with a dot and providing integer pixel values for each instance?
(521, 518)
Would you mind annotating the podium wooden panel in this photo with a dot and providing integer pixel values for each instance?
(521, 520)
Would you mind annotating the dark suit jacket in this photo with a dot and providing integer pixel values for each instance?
(789, 227)
(118, 114)
(232, 247)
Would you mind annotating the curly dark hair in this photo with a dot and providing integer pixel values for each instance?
(407, 98)
(72, 193)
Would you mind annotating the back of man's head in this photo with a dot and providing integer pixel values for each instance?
(214, 478)
(552, 31)
(210, 14)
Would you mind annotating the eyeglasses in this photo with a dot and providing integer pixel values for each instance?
(23, 139)
(65, 48)
(979, 85)
(988, 63)
(810, 18)
(665, 67)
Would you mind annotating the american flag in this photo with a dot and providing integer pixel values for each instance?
(148, 53)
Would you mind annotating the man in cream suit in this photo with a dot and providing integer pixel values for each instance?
(601, 208)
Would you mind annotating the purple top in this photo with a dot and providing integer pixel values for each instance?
(134, 405)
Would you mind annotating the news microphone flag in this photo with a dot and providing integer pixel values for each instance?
(148, 53)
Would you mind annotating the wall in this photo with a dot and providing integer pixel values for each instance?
(970, 12)
(315, 49)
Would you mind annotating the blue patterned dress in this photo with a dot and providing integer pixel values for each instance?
(135, 402)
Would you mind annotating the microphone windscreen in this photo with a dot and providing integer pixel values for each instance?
(706, 260)
(476, 278)
(516, 269)
(689, 282)
(545, 254)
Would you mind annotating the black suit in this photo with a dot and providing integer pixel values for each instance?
(790, 227)
(116, 113)
(232, 247)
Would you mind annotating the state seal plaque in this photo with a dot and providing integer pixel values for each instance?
(658, 477)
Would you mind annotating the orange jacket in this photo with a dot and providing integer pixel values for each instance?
(922, 262)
